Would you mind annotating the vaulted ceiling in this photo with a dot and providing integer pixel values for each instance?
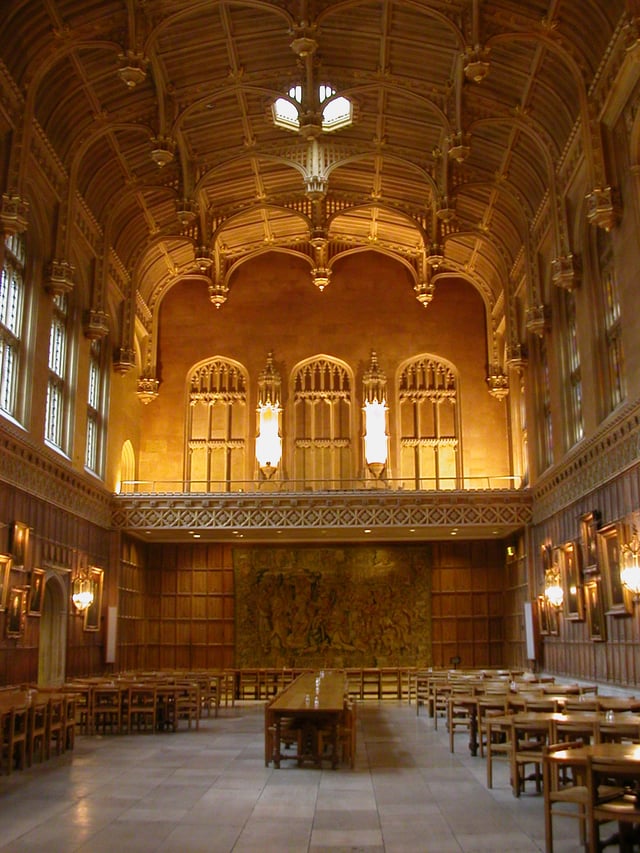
(160, 112)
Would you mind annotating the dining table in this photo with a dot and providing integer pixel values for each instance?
(313, 704)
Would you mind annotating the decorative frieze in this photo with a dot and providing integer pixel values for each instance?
(299, 511)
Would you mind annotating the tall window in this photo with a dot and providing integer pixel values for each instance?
(217, 426)
(56, 386)
(11, 314)
(573, 376)
(614, 381)
(430, 428)
(95, 420)
(544, 397)
(322, 398)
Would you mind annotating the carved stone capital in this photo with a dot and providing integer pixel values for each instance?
(95, 324)
(435, 255)
(60, 280)
(14, 214)
(565, 271)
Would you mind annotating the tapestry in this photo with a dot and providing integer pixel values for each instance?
(337, 606)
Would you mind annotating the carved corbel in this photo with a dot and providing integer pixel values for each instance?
(95, 324)
(60, 280)
(147, 389)
(516, 356)
(498, 382)
(603, 207)
(538, 320)
(14, 214)
(565, 271)
(124, 360)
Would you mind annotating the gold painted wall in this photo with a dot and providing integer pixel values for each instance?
(346, 606)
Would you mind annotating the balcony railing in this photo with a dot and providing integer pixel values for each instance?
(283, 486)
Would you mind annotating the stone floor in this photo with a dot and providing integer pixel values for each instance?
(209, 790)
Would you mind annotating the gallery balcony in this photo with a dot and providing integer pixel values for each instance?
(322, 510)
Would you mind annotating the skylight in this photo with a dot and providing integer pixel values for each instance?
(337, 112)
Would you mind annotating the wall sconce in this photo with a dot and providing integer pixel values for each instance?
(268, 440)
(553, 591)
(630, 565)
(82, 591)
(374, 386)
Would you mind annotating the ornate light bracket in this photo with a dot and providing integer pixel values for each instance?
(187, 210)
(444, 212)
(203, 258)
(321, 277)
(218, 291)
(147, 389)
(565, 272)
(435, 255)
(60, 280)
(459, 146)
(124, 360)
(476, 63)
(95, 324)
(538, 320)
(603, 208)
(498, 383)
(425, 291)
(14, 213)
(163, 150)
(133, 68)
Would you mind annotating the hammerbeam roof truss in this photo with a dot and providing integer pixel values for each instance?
(210, 71)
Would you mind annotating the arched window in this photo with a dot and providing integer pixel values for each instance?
(216, 426)
(127, 469)
(58, 385)
(96, 403)
(323, 423)
(610, 333)
(429, 424)
(572, 370)
(12, 299)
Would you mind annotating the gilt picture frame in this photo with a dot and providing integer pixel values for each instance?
(595, 611)
(6, 562)
(16, 611)
(617, 601)
(36, 592)
(571, 570)
(92, 613)
(589, 524)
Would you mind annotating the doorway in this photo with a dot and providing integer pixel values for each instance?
(52, 648)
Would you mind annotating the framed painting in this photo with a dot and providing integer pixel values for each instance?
(589, 524)
(92, 613)
(19, 543)
(617, 600)
(543, 615)
(16, 611)
(595, 611)
(36, 592)
(571, 571)
(554, 621)
(5, 576)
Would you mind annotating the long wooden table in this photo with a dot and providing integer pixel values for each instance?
(313, 703)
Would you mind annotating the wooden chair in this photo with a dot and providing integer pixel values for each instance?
(564, 795)
(494, 705)
(497, 744)
(142, 708)
(622, 808)
(106, 709)
(16, 723)
(528, 740)
(37, 729)
(70, 720)
(55, 724)
(188, 702)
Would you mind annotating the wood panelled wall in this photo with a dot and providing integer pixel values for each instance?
(59, 543)
(572, 653)
(176, 606)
